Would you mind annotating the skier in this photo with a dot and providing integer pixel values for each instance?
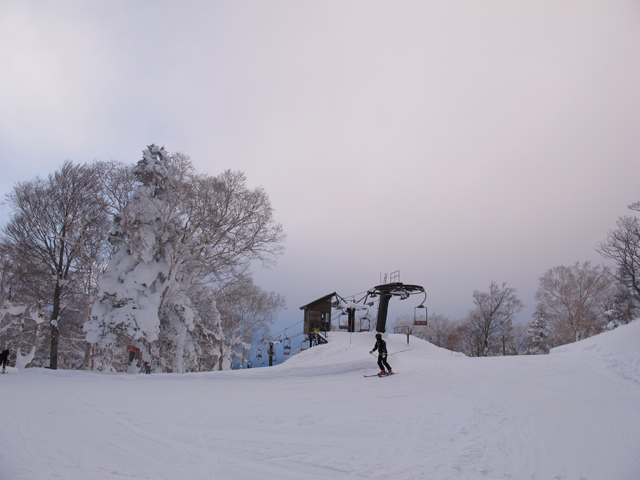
(381, 346)
(4, 359)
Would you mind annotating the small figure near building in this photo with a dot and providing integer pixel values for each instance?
(4, 359)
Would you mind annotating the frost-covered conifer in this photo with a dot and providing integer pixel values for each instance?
(135, 279)
(178, 233)
(143, 281)
(538, 333)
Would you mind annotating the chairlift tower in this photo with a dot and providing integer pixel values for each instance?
(386, 292)
(350, 326)
(271, 351)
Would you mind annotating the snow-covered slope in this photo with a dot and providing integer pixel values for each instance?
(618, 350)
(570, 415)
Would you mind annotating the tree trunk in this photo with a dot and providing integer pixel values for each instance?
(221, 359)
(88, 357)
(55, 331)
(178, 361)
(55, 338)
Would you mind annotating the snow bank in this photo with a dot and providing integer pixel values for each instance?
(617, 350)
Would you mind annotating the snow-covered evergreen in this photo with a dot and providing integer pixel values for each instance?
(143, 293)
(178, 233)
(538, 333)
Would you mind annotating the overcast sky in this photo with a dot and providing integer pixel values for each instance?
(457, 141)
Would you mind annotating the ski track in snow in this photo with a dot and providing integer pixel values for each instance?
(571, 415)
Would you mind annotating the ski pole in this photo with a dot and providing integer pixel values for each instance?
(406, 350)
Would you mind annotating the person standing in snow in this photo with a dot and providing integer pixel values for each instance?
(4, 359)
(381, 347)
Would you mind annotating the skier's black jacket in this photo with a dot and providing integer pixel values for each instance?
(381, 346)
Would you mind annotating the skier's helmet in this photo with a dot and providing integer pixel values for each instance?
(378, 335)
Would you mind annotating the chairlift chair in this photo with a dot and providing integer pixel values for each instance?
(341, 324)
(365, 324)
(420, 316)
(286, 345)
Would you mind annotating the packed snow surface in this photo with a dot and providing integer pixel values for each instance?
(571, 415)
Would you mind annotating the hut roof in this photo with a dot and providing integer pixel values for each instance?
(320, 300)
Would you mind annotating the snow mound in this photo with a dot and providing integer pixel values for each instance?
(618, 350)
(347, 352)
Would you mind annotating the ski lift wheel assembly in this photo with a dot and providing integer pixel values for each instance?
(389, 290)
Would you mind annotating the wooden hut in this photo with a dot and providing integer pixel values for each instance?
(317, 315)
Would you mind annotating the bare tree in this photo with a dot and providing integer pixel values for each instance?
(437, 330)
(490, 322)
(246, 311)
(56, 227)
(404, 324)
(573, 298)
(623, 247)
(519, 339)
(463, 339)
(21, 316)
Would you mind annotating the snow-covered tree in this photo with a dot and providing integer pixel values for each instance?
(538, 333)
(54, 234)
(623, 247)
(622, 306)
(178, 232)
(136, 279)
(20, 318)
(144, 274)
